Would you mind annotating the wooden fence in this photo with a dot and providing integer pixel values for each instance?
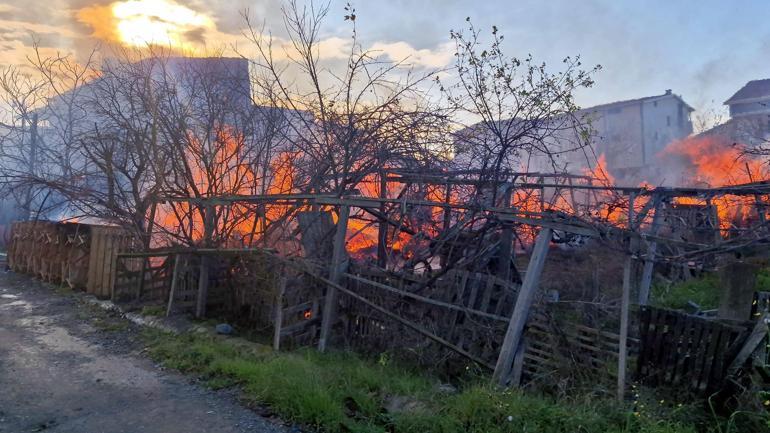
(469, 310)
(684, 350)
(565, 348)
(79, 255)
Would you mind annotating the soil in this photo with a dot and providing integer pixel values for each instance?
(66, 366)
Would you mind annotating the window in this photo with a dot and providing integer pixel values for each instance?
(680, 115)
(654, 103)
(668, 120)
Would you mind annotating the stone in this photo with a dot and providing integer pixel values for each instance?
(224, 329)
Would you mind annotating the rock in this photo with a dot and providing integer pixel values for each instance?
(224, 329)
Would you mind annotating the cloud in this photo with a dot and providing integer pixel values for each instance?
(401, 51)
(145, 22)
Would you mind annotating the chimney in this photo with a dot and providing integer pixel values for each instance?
(668, 91)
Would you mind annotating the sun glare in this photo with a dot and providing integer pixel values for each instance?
(156, 22)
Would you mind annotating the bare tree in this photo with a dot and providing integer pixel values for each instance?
(371, 114)
(520, 110)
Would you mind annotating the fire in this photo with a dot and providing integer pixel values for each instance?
(140, 23)
(713, 161)
(226, 170)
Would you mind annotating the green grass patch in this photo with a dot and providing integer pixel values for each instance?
(342, 392)
(154, 310)
(704, 291)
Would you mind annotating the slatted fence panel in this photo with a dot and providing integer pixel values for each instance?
(685, 350)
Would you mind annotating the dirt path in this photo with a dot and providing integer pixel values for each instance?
(65, 369)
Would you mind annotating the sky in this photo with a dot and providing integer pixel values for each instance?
(703, 50)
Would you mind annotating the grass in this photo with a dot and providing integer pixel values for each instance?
(341, 392)
(704, 291)
(153, 310)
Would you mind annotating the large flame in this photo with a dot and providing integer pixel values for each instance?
(713, 161)
(141, 23)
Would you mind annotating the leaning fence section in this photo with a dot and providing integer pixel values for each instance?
(684, 350)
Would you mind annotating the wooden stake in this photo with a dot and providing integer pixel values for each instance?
(146, 245)
(278, 313)
(338, 261)
(203, 275)
(506, 241)
(174, 277)
(382, 226)
(649, 259)
(624, 307)
(521, 310)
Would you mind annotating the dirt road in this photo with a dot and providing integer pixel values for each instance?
(64, 368)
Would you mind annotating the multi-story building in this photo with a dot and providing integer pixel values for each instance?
(749, 122)
(629, 134)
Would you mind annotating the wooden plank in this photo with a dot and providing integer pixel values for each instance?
(694, 349)
(106, 264)
(174, 282)
(649, 259)
(700, 354)
(720, 364)
(683, 351)
(644, 325)
(518, 364)
(757, 335)
(414, 326)
(523, 305)
(624, 310)
(98, 236)
(338, 261)
(278, 313)
(673, 345)
(624, 307)
(92, 254)
(203, 272)
(447, 305)
(711, 353)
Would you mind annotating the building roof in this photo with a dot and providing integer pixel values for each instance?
(753, 90)
(637, 101)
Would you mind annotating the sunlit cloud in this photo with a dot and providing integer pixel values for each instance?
(141, 23)
(400, 51)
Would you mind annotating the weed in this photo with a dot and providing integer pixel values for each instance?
(337, 392)
(703, 291)
(153, 310)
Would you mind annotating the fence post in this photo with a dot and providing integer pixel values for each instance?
(649, 259)
(174, 277)
(506, 240)
(335, 273)
(146, 242)
(624, 305)
(203, 275)
(521, 310)
(382, 224)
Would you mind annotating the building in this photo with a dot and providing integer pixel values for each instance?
(749, 122)
(631, 133)
(752, 100)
